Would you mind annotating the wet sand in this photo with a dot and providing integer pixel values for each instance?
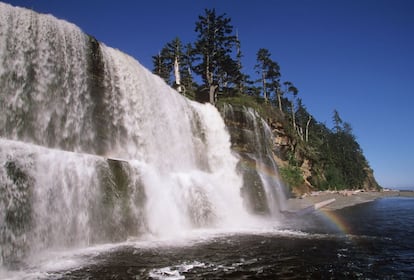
(342, 199)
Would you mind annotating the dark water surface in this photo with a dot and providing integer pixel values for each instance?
(379, 245)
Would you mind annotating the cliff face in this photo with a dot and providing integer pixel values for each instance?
(252, 140)
(284, 143)
(268, 143)
(370, 182)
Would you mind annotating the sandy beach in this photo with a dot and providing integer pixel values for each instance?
(342, 198)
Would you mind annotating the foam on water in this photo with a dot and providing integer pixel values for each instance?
(174, 272)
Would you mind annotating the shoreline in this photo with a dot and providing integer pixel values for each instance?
(343, 199)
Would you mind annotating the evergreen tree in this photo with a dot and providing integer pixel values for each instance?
(269, 72)
(187, 70)
(250, 87)
(290, 88)
(337, 121)
(240, 77)
(213, 47)
(303, 119)
(174, 61)
(346, 160)
(175, 54)
(162, 67)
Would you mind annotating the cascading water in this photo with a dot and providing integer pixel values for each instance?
(94, 148)
(250, 137)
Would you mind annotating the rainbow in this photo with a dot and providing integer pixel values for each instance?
(329, 216)
(336, 220)
(252, 164)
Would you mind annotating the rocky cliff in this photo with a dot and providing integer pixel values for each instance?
(252, 140)
(267, 143)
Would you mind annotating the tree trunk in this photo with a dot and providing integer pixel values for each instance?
(293, 115)
(264, 85)
(299, 130)
(177, 74)
(307, 128)
(212, 94)
(210, 81)
(279, 99)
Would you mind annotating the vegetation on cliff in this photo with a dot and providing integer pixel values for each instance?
(310, 154)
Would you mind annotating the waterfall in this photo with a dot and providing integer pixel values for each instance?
(94, 148)
(251, 137)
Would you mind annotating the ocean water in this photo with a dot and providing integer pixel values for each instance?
(368, 241)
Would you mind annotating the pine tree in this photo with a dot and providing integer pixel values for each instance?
(175, 54)
(269, 72)
(240, 77)
(174, 61)
(337, 121)
(303, 119)
(290, 88)
(162, 66)
(345, 155)
(213, 47)
(186, 69)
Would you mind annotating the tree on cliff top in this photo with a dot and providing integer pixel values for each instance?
(161, 66)
(269, 72)
(345, 163)
(175, 61)
(213, 48)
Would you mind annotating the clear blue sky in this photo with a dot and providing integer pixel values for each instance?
(355, 56)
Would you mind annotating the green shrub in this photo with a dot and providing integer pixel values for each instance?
(291, 175)
(334, 179)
